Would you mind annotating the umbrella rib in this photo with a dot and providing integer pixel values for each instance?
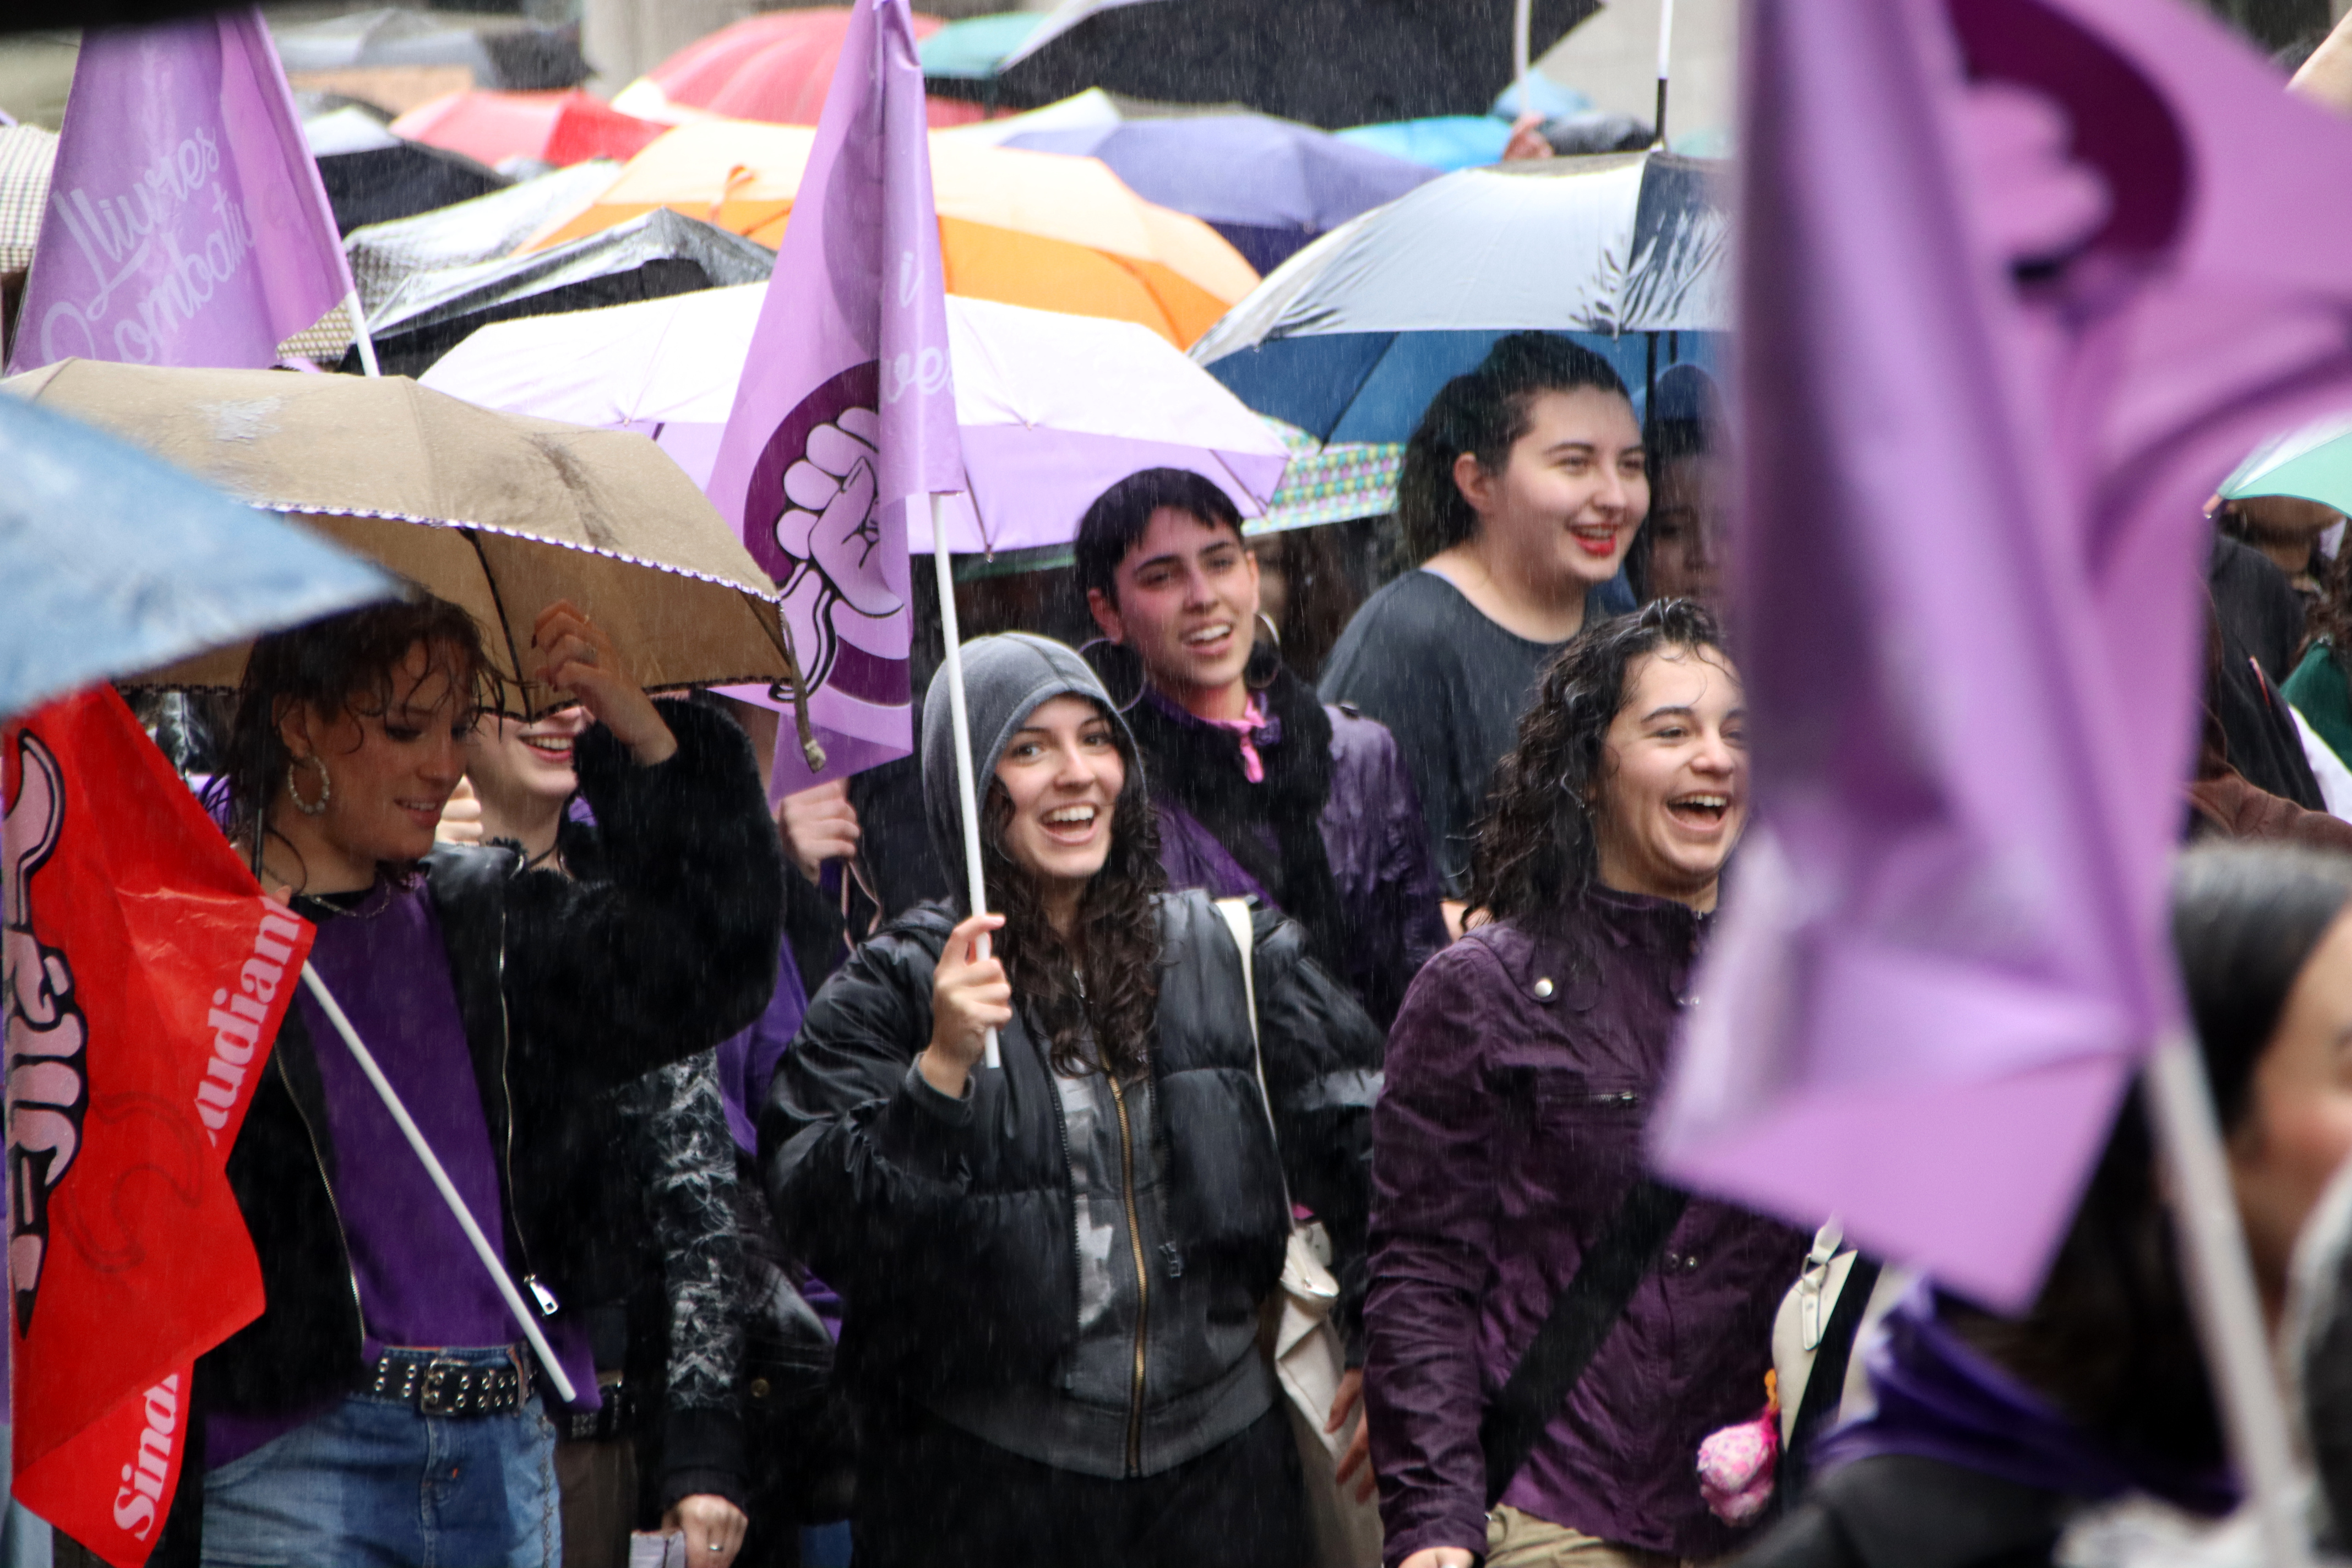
(506, 625)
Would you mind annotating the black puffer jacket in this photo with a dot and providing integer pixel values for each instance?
(567, 989)
(953, 1243)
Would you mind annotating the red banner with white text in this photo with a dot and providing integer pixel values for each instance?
(146, 977)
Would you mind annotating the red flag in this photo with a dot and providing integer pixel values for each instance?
(146, 977)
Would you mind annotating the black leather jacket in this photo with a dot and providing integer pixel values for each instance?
(567, 989)
(951, 1236)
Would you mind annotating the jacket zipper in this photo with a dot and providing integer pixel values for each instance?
(539, 1292)
(319, 1157)
(1142, 1278)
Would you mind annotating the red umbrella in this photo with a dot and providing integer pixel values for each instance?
(773, 66)
(557, 128)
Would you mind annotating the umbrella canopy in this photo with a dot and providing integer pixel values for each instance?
(1052, 408)
(1446, 141)
(557, 128)
(500, 52)
(385, 255)
(497, 513)
(1025, 229)
(776, 66)
(2313, 463)
(1350, 339)
(1326, 62)
(28, 153)
(1266, 185)
(118, 562)
(971, 50)
(376, 185)
(659, 253)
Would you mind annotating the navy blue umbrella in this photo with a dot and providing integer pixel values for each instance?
(1268, 186)
(1350, 338)
(113, 561)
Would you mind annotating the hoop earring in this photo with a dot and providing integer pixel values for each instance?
(326, 787)
(1273, 640)
(1110, 648)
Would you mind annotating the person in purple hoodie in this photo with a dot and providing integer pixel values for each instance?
(1262, 790)
(386, 1408)
(1521, 1071)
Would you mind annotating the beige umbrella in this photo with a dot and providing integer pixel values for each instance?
(498, 512)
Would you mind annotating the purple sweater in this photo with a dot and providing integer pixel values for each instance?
(1379, 847)
(1521, 1072)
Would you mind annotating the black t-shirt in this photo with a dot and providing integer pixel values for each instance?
(1450, 684)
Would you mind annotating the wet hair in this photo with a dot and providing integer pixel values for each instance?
(345, 664)
(1484, 413)
(1118, 1002)
(1536, 853)
(1120, 516)
(2110, 1339)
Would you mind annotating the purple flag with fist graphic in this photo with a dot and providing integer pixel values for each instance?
(846, 416)
(187, 225)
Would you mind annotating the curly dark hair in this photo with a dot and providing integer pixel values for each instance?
(342, 664)
(1483, 412)
(1109, 988)
(1536, 853)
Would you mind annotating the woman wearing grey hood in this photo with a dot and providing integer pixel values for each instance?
(1053, 1273)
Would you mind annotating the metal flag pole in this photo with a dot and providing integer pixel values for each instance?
(1522, 23)
(966, 791)
(432, 1163)
(359, 332)
(2222, 1292)
(1666, 52)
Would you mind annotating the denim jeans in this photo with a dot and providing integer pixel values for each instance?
(376, 1482)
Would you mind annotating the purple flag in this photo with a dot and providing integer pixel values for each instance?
(846, 414)
(187, 225)
(2020, 280)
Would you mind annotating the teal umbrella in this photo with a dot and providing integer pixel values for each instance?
(972, 49)
(2313, 463)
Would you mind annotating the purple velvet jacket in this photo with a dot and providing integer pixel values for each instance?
(1521, 1072)
(1379, 847)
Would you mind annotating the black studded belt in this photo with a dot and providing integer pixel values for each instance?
(436, 1383)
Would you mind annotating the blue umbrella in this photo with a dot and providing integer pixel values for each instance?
(972, 49)
(1350, 337)
(115, 562)
(1268, 186)
(1442, 142)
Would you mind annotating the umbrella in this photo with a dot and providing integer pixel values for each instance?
(1052, 409)
(2313, 463)
(1446, 141)
(28, 153)
(376, 185)
(1349, 340)
(775, 68)
(500, 52)
(383, 255)
(659, 253)
(1266, 185)
(1326, 62)
(967, 54)
(557, 128)
(499, 513)
(117, 561)
(1027, 228)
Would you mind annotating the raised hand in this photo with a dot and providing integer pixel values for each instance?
(818, 825)
(577, 658)
(970, 996)
(461, 817)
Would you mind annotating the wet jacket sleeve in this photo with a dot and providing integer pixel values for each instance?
(867, 1167)
(1407, 876)
(672, 948)
(1432, 1220)
(1322, 1057)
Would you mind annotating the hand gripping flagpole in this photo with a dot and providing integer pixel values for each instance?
(967, 794)
(432, 1163)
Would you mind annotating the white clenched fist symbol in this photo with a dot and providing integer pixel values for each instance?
(832, 520)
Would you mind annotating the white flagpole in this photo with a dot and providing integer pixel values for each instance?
(360, 333)
(2221, 1291)
(1522, 23)
(966, 791)
(408, 1129)
(1666, 52)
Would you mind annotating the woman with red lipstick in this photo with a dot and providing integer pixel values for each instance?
(1262, 791)
(1520, 495)
(1053, 1269)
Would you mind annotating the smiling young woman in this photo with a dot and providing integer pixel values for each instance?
(1053, 1270)
(1520, 1073)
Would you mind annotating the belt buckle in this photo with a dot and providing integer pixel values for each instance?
(434, 1397)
